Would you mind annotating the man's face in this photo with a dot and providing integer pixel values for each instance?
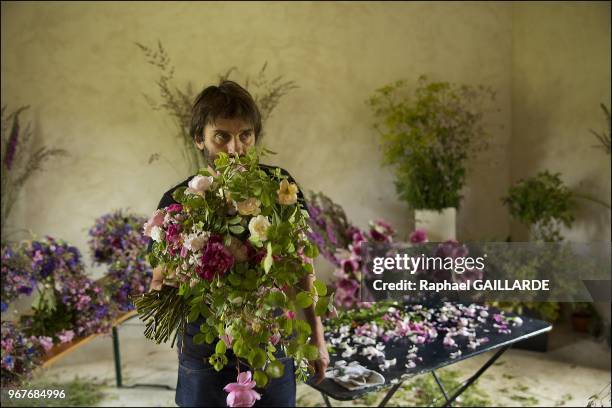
(232, 136)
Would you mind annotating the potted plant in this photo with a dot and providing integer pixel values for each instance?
(583, 317)
(542, 203)
(429, 138)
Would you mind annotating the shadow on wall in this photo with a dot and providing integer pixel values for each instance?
(592, 219)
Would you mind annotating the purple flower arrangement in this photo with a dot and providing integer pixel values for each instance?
(79, 302)
(116, 239)
(20, 354)
(117, 235)
(17, 279)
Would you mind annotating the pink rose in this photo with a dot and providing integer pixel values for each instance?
(199, 185)
(241, 393)
(290, 314)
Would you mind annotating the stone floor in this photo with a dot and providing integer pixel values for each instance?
(575, 367)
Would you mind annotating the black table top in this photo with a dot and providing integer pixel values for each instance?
(434, 355)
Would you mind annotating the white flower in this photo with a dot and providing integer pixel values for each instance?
(157, 234)
(387, 364)
(348, 351)
(258, 227)
(250, 206)
(371, 352)
(195, 242)
(199, 185)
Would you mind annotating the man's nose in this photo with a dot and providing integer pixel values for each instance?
(231, 146)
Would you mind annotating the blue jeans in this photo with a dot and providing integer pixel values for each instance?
(200, 385)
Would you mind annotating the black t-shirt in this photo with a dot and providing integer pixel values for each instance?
(167, 199)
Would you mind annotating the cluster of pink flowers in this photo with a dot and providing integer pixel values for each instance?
(206, 253)
(349, 261)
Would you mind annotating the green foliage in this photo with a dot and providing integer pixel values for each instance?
(430, 138)
(542, 202)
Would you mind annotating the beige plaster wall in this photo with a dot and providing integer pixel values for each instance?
(560, 75)
(77, 66)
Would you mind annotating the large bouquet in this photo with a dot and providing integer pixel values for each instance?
(236, 247)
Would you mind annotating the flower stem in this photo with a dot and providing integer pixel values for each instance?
(594, 200)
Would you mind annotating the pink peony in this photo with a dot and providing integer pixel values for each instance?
(241, 393)
(216, 259)
(156, 220)
(418, 236)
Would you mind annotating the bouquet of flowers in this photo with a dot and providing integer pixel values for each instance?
(236, 247)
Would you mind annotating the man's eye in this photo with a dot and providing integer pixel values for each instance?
(220, 137)
(246, 136)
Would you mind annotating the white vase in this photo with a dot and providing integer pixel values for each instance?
(439, 225)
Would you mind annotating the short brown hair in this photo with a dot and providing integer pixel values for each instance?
(227, 100)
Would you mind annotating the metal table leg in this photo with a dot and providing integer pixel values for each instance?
(118, 376)
(471, 380)
(117, 358)
(390, 394)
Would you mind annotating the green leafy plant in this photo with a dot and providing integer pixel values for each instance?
(177, 101)
(430, 137)
(543, 203)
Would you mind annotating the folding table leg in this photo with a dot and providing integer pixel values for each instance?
(117, 358)
(390, 394)
(326, 400)
(440, 385)
(478, 373)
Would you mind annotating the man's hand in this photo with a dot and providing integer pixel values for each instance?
(158, 279)
(320, 365)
